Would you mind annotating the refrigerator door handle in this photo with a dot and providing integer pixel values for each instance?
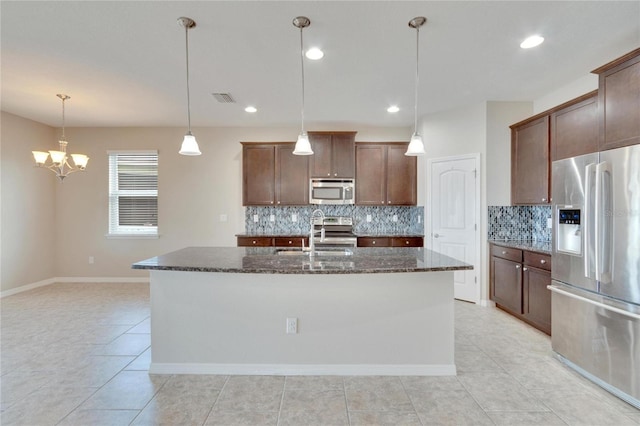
(602, 222)
(588, 227)
(556, 289)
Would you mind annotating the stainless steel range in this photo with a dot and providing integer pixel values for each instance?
(333, 231)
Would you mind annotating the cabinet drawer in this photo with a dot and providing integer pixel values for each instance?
(407, 242)
(290, 241)
(537, 260)
(374, 242)
(507, 253)
(255, 241)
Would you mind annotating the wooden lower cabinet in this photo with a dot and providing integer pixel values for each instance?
(519, 280)
(289, 241)
(392, 241)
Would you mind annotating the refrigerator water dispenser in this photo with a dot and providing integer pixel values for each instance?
(569, 231)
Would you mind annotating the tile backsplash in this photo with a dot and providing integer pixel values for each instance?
(279, 220)
(518, 223)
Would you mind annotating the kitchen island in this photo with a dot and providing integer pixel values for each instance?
(265, 310)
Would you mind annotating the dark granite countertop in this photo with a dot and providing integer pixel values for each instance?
(306, 235)
(543, 247)
(266, 260)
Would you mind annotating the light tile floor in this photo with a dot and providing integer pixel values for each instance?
(77, 354)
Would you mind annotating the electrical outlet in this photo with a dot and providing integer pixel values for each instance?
(395, 217)
(256, 218)
(294, 217)
(419, 218)
(272, 218)
(368, 218)
(223, 218)
(91, 259)
(292, 325)
(549, 223)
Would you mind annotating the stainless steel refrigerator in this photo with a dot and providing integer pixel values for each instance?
(596, 268)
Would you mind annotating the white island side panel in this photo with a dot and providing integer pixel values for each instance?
(226, 323)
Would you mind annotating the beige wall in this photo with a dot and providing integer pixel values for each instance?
(28, 214)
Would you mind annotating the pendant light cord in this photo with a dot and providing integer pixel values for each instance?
(186, 33)
(302, 68)
(415, 109)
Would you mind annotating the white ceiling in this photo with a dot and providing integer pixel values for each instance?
(123, 62)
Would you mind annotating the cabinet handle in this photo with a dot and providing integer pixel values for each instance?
(272, 202)
(254, 241)
(543, 261)
(290, 242)
(517, 266)
(278, 202)
(335, 174)
(373, 242)
(544, 200)
(525, 269)
(406, 242)
(504, 252)
(329, 174)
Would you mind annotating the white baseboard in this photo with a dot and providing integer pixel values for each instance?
(27, 287)
(55, 280)
(303, 369)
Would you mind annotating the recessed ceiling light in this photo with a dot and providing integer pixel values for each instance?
(393, 108)
(532, 41)
(314, 53)
(251, 109)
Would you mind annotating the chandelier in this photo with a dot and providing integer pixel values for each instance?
(59, 159)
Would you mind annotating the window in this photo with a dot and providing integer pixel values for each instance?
(133, 193)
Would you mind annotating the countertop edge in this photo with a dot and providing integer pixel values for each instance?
(528, 245)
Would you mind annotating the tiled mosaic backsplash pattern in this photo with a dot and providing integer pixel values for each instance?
(410, 220)
(519, 223)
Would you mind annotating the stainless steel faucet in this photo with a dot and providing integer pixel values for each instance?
(313, 232)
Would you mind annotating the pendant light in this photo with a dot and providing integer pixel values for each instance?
(303, 147)
(59, 159)
(189, 144)
(416, 145)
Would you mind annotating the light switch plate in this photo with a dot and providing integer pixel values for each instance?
(368, 218)
(256, 218)
(272, 218)
(395, 217)
(294, 217)
(549, 223)
(223, 218)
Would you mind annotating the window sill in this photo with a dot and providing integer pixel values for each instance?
(132, 236)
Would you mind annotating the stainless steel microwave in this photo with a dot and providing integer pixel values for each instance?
(331, 191)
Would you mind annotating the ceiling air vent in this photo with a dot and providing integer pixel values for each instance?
(224, 98)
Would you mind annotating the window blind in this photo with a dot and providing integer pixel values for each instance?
(133, 193)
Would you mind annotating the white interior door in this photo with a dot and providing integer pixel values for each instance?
(453, 215)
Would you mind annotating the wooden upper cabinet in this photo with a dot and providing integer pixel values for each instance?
(370, 174)
(530, 161)
(272, 175)
(574, 127)
(333, 154)
(384, 175)
(292, 176)
(619, 101)
(402, 176)
(258, 174)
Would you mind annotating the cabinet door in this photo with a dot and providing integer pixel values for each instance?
(574, 129)
(258, 175)
(370, 175)
(292, 176)
(320, 161)
(343, 146)
(255, 241)
(506, 280)
(374, 242)
(530, 162)
(537, 297)
(619, 99)
(401, 176)
(407, 242)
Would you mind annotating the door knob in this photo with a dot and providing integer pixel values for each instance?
(436, 235)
